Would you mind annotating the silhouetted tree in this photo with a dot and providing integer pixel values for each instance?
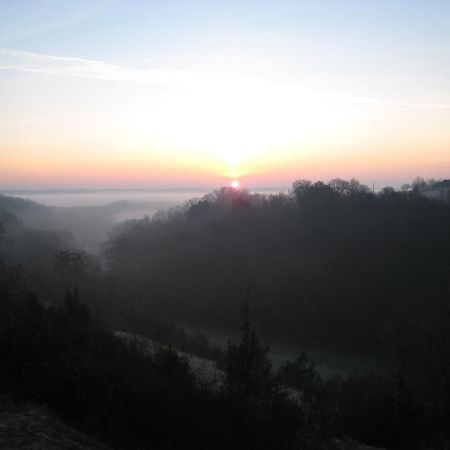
(248, 368)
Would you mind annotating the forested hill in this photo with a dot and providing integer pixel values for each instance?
(333, 264)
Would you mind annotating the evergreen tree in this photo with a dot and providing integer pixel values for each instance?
(248, 368)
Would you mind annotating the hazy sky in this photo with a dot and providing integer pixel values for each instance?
(129, 93)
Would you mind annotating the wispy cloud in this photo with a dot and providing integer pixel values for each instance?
(100, 70)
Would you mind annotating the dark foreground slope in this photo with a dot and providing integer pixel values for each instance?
(29, 426)
(117, 392)
(114, 391)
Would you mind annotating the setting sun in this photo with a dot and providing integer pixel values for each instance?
(201, 112)
(178, 176)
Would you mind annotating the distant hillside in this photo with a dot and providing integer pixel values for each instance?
(20, 206)
(89, 225)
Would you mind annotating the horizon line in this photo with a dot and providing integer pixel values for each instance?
(128, 189)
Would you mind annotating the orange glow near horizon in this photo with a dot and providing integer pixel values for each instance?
(47, 165)
(270, 133)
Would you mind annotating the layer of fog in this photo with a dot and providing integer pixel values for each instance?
(90, 215)
(328, 363)
(84, 197)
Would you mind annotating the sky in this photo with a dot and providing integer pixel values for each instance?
(128, 93)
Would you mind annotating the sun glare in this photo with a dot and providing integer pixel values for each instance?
(235, 184)
(236, 121)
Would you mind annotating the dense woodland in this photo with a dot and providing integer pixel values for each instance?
(330, 264)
